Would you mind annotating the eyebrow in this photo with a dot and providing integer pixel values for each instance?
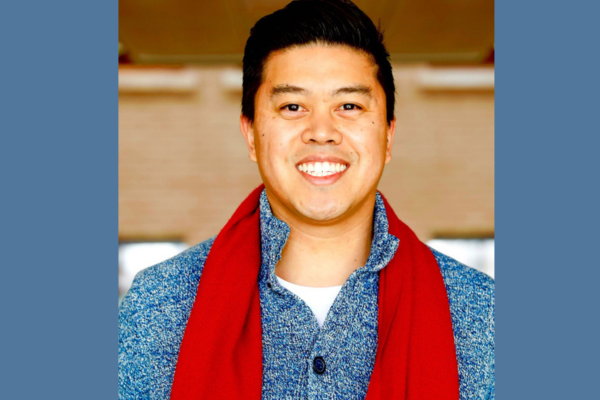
(356, 89)
(281, 89)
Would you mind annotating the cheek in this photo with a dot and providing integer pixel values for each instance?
(275, 144)
(370, 145)
(265, 134)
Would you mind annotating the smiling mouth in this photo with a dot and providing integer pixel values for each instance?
(322, 169)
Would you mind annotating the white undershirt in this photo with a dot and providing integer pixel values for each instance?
(319, 299)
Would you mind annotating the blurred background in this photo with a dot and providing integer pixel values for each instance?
(183, 164)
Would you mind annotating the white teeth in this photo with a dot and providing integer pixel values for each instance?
(322, 168)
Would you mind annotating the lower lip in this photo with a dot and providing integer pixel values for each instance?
(323, 180)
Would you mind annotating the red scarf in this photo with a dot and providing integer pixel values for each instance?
(221, 353)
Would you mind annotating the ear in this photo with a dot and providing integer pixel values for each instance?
(248, 133)
(390, 140)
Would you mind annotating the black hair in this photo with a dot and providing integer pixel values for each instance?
(303, 22)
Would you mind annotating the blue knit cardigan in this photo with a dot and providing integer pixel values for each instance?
(154, 313)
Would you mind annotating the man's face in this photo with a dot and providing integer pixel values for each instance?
(320, 134)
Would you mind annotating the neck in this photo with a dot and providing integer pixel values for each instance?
(323, 255)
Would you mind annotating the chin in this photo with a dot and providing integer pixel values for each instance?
(320, 211)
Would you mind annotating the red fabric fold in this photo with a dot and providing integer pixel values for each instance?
(221, 352)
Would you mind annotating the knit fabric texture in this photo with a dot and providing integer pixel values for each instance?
(153, 316)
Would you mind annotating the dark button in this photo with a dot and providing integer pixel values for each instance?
(319, 365)
(269, 285)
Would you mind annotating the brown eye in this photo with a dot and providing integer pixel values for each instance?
(292, 107)
(293, 111)
(350, 107)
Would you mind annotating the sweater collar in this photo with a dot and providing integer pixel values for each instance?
(275, 233)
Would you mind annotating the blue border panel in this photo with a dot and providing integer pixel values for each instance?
(547, 199)
(59, 210)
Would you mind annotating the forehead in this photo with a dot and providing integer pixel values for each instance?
(316, 66)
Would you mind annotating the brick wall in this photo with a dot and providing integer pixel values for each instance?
(183, 164)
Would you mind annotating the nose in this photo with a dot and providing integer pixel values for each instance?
(321, 129)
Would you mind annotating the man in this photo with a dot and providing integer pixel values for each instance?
(314, 288)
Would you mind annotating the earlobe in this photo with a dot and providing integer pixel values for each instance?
(248, 132)
(390, 140)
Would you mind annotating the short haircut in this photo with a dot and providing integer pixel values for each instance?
(304, 22)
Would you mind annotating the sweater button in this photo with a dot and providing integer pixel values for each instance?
(319, 365)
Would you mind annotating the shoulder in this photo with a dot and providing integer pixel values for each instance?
(471, 298)
(464, 283)
(173, 276)
(152, 319)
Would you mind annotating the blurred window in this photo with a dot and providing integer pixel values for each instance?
(135, 256)
(475, 253)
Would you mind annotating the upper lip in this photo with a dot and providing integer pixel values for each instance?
(322, 158)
